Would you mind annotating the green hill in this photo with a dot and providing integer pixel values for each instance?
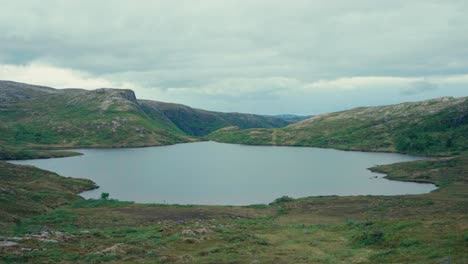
(37, 117)
(198, 122)
(32, 117)
(433, 127)
(27, 191)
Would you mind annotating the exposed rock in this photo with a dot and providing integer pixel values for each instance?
(48, 240)
(6, 190)
(48, 236)
(187, 232)
(186, 259)
(197, 231)
(25, 249)
(8, 244)
(118, 248)
(11, 238)
(190, 240)
(116, 97)
(118, 93)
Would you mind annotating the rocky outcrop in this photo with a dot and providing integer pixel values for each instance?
(11, 92)
(124, 94)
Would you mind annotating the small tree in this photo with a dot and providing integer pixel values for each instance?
(104, 196)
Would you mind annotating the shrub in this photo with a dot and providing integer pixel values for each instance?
(104, 196)
(282, 199)
(370, 237)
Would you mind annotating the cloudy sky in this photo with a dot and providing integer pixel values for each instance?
(267, 57)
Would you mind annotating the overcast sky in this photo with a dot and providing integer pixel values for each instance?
(266, 57)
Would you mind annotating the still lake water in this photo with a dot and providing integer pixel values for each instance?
(226, 174)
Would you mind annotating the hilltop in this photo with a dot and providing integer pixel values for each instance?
(37, 117)
(433, 127)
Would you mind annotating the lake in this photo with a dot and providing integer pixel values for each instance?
(226, 174)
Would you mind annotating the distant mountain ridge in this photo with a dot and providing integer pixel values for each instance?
(291, 118)
(34, 116)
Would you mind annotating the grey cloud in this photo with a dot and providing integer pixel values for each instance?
(320, 37)
(201, 44)
(418, 88)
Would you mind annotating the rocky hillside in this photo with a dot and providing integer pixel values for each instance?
(11, 92)
(438, 126)
(32, 116)
(41, 117)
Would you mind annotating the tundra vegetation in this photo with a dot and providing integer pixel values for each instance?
(44, 220)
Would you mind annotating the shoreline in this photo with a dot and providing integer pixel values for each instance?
(371, 169)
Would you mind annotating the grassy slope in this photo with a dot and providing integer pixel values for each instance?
(198, 122)
(26, 191)
(360, 229)
(434, 127)
(100, 118)
(36, 118)
(19, 153)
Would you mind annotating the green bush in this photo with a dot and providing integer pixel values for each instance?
(368, 238)
(104, 196)
(282, 199)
